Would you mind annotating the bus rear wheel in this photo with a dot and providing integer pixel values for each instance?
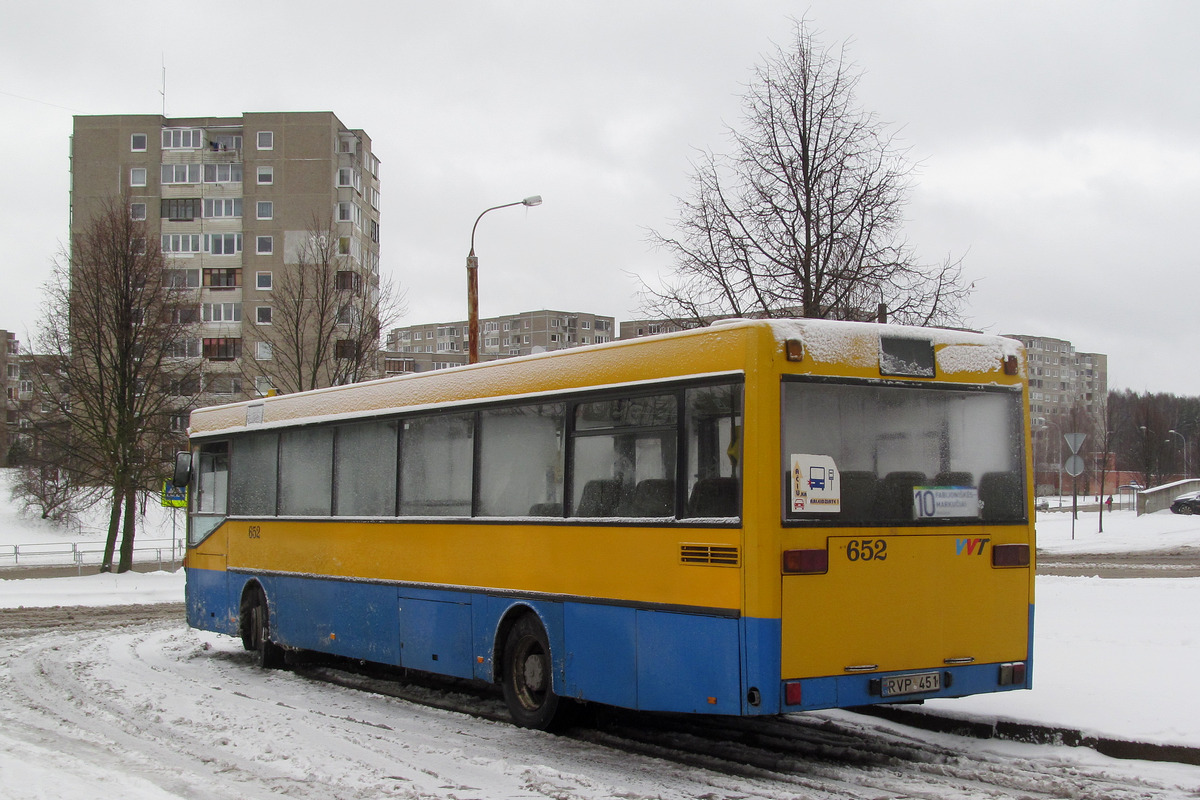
(255, 624)
(527, 677)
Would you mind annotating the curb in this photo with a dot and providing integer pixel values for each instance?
(1031, 733)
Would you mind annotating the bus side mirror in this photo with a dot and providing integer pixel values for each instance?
(183, 469)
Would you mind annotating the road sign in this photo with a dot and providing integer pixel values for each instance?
(1074, 440)
(174, 496)
(1074, 466)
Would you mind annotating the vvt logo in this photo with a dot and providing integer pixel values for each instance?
(972, 547)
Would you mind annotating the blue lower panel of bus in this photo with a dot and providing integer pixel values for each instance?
(206, 594)
(632, 657)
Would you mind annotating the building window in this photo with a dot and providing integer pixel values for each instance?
(345, 177)
(181, 243)
(225, 141)
(263, 281)
(262, 384)
(182, 138)
(221, 312)
(262, 315)
(223, 278)
(184, 348)
(216, 207)
(181, 278)
(180, 209)
(186, 315)
(180, 173)
(137, 211)
(266, 140)
(266, 175)
(185, 387)
(225, 384)
(223, 173)
(343, 212)
(262, 351)
(348, 281)
(266, 245)
(266, 209)
(222, 349)
(345, 349)
(137, 142)
(137, 176)
(223, 244)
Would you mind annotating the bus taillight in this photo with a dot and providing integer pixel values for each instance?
(792, 693)
(1012, 674)
(805, 562)
(1010, 555)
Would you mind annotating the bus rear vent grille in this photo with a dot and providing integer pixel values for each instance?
(716, 554)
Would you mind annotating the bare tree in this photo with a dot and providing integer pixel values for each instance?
(109, 340)
(329, 312)
(803, 217)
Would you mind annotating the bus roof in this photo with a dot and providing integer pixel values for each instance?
(830, 348)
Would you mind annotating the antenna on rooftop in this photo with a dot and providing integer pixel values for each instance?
(163, 91)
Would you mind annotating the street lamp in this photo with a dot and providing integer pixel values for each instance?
(1148, 452)
(1183, 439)
(473, 280)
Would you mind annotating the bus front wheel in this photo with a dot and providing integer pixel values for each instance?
(527, 679)
(256, 629)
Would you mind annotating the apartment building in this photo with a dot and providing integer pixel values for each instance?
(444, 344)
(1062, 378)
(232, 202)
(15, 390)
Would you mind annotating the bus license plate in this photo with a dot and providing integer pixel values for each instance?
(914, 683)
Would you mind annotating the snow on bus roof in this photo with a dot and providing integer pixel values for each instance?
(857, 343)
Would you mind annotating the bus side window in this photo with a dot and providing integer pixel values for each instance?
(212, 482)
(714, 497)
(714, 450)
(620, 444)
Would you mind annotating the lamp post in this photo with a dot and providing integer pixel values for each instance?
(1186, 460)
(473, 280)
(1147, 452)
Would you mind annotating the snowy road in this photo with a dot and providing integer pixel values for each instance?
(129, 702)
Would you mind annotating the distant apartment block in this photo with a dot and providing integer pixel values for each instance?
(444, 344)
(1061, 378)
(651, 327)
(16, 389)
(228, 199)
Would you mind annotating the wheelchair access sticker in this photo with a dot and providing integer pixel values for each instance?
(816, 485)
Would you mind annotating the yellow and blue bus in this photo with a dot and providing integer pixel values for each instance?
(757, 517)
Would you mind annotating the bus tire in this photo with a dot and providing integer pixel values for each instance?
(527, 677)
(255, 624)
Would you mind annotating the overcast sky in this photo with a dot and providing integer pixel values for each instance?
(1059, 142)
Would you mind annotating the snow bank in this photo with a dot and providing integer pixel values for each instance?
(129, 588)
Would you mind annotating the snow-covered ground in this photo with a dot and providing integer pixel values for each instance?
(1113, 657)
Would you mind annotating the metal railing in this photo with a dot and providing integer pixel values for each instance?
(90, 553)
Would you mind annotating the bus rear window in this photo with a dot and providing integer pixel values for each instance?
(901, 455)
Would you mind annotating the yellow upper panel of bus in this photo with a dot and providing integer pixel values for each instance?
(757, 347)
